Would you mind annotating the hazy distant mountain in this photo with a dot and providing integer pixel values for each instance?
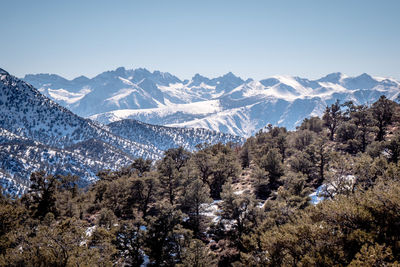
(227, 104)
(38, 134)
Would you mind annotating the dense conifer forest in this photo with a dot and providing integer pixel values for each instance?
(327, 194)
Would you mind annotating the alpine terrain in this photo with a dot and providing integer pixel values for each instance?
(227, 104)
(38, 134)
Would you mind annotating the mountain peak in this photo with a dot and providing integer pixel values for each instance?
(81, 78)
(332, 77)
(229, 74)
(120, 70)
(142, 70)
(364, 76)
(165, 77)
(199, 78)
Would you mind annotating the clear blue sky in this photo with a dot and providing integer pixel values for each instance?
(250, 38)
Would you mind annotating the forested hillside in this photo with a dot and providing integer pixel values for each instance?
(38, 134)
(326, 194)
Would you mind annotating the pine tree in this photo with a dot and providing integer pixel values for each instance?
(193, 201)
(382, 112)
(331, 118)
(241, 209)
(42, 194)
(197, 255)
(129, 241)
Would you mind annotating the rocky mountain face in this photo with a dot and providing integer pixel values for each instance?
(227, 104)
(38, 134)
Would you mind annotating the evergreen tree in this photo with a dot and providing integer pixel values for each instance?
(197, 255)
(42, 194)
(226, 167)
(242, 210)
(129, 242)
(382, 112)
(195, 196)
(339, 178)
(331, 118)
(164, 236)
(272, 164)
(141, 165)
(170, 178)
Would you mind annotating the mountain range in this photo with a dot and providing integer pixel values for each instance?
(38, 134)
(84, 125)
(227, 104)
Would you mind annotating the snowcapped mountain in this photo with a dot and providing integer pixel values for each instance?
(38, 134)
(227, 104)
(25, 112)
(129, 89)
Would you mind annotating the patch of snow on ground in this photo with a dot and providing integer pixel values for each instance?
(317, 196)
(239, 192)
(89, 231)
(212, 210)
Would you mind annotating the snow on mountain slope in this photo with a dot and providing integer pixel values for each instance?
(163, 114)
(24, 111)
(227, 103)
(242, 121)
(235, 120)
(63, 96)
(166, 137)
(129, 89)
(281, 100)
(19, 157)
(38, 134)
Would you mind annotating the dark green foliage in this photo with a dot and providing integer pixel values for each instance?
(143, 192)
(214, 165)
(169, 168)
(179, 156)
(141, 165)
(245, 157)
(302, 139)
(262, 189)
(331, 118)
(272, 164)
(393, 148)
(197, 254)
(382, 112)
(129, 241)
(336, 232)
(165, 236)
(194, 198)
(362, 118)
(226, 167)
(42, 193)
(314, 124)
(241, 209)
